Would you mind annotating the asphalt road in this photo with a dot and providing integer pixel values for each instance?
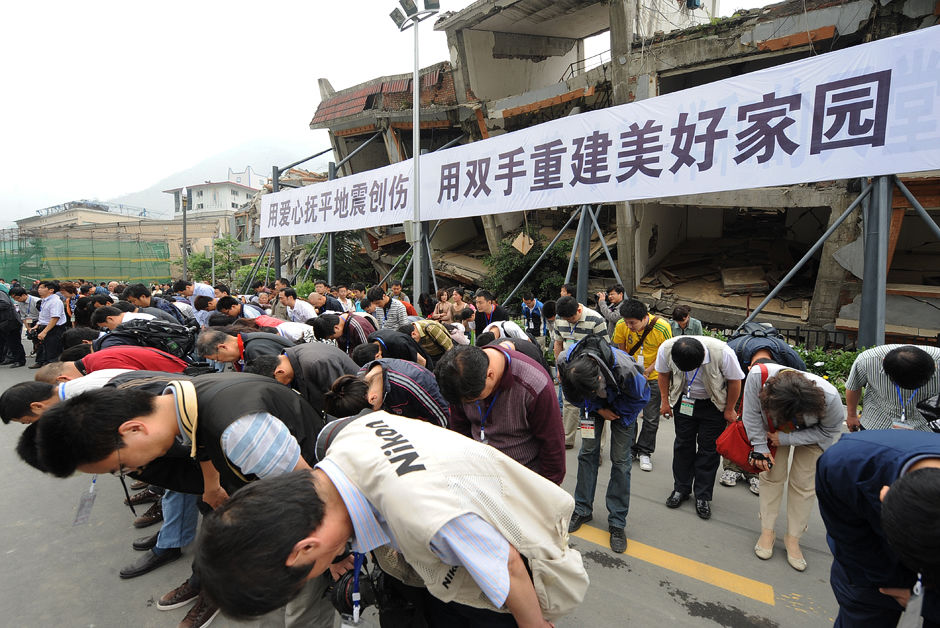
(678, 570)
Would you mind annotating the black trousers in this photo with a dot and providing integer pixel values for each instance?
(51, 347)
(12, 344)
(694, 458)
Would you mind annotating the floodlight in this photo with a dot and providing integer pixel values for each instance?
(409, 6)
(398, 17)
(432, 5)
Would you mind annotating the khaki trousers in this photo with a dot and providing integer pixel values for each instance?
(799, 476)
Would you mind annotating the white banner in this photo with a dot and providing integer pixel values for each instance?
(869, 110)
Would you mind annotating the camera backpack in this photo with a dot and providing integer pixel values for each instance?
(170, 337)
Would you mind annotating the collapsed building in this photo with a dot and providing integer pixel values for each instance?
(518, 63)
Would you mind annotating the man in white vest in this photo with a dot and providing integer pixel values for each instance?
(484, 535)
(699, 382)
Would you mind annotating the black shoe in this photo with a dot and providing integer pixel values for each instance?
(5, 362)
(577, 521)
(703, 508)
(618, 540)
(675, 498)
(36, 366)
(17, 365)
(150, 561)
(145, 543)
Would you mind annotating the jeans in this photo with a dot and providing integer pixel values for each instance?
(180, 516)
(589, 458)
(645, 443)
(694, 456)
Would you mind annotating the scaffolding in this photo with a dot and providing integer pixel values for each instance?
(28, 256)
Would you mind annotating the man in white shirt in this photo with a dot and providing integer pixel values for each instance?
(298, 310)
(51, 324)
(108, 317)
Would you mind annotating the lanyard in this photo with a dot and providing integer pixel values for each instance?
(485, 416)
(489, 316)
(688, 390)
(355, 592)
(901, 401)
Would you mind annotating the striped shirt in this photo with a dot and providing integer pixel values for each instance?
(466, 541)
(410, 390)
(882, 404)
(521, 416)
(260, 444)
(589, 323)
(356, 330)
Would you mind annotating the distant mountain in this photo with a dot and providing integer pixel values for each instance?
(261, 155)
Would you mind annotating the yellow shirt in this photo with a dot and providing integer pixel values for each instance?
(625, 338)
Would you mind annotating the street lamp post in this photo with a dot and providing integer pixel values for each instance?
(410, 19)
(184, 202)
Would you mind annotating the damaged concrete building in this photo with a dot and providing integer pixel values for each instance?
(517, 63)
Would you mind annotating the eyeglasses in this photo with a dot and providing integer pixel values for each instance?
(121, 472)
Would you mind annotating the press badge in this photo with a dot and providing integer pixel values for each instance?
(902, 424)
(687, 405)
(587, 427)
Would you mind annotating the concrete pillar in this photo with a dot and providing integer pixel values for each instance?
(622, 19)
(831, 276)
(494, 233)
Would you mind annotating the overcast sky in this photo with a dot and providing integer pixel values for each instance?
(107, 97)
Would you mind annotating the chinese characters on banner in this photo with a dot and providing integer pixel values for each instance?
(868, 110)
(367, 199)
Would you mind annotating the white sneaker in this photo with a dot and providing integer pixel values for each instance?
(754, 485)
(645, 463)
(729, 477)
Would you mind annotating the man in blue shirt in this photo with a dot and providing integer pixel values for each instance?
(610, 387)
(532, 314)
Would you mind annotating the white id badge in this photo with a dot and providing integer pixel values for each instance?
(639, 359)
(587, 427)
(901, 425)
(687, 405)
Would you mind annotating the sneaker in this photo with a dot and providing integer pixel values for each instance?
(153, 515)
(577, 521)
(618, 540)
(729, 477)
(180, 596)
(645, 463)
(200, 615)
(754, 485)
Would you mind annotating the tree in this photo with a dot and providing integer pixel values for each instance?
(509, 266)
(227, 260)
(199, 266)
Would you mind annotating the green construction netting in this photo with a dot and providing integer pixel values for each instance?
(95, 260)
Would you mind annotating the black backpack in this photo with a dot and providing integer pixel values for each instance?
(757, 330)
(172, 338)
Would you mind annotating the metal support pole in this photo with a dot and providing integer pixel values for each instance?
(331, 245)
(541, 257)
(825, 236)
(917, 206)
(427, 247)
(871, 319)
(453, 142)
(185, 202)
(574, 244)
(314, 258)
(276, 187)
(342, 162)
(267, 270)
(600, 234)
(402, 256)
(256, 265)
(420, 275)
(584, 255)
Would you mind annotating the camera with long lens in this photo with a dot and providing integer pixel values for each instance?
(33, 334)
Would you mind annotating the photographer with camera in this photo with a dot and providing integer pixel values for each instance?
(806, 414)
(483, 534)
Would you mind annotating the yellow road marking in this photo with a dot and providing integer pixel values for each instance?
(754, 589)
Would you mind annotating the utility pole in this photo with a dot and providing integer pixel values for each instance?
(622, 21)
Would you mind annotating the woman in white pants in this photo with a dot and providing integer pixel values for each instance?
(805, 414)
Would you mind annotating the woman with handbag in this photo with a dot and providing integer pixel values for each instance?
(794, 411)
